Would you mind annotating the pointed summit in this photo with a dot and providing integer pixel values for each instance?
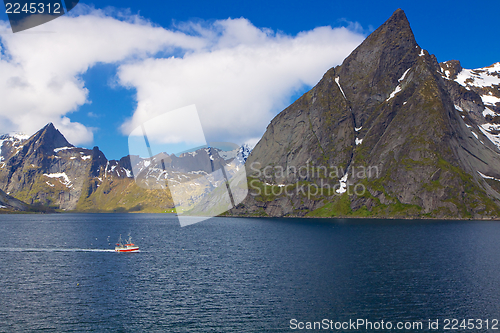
(371, 72)
(49, 126)
(52, 137)
(394, 36)
(391, 48)
(348, 95)
(47, 139)
(398, 20)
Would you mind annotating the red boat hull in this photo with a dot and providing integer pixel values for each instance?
(132, 249)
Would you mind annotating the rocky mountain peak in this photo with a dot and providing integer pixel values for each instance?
(98, 160)
(451, 68)
(398, 20)
(390, 107)
(392, 41)
(373, 70)
(47, 139)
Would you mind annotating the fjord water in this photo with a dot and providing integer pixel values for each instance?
(58, 272)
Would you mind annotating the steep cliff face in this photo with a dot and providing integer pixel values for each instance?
(389, 133)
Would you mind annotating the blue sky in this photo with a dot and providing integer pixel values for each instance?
(450, 30)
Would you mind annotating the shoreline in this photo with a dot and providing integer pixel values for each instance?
(280, 217)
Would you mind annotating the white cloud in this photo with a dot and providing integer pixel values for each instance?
(237, 75)
(40, 80)
(240, 81)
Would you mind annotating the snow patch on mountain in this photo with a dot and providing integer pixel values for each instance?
(491, 100)
(62, 148)
(1, 144)
(485, 80)
(337, 80)
(404, 75)
(481, 77)
(487, 177)
(65, 179)
(398, 89)
(20, 136)
(343, 184)
(245, 151)
(492, 137)
(15, 139)
(128, 173)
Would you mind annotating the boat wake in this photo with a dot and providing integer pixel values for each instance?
(8, 249)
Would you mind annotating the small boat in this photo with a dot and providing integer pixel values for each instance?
(128, 246)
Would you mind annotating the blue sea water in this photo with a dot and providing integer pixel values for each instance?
(59, 273)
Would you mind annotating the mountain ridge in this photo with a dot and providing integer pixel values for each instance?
(389, 133)
(45, 170)
(389, 107)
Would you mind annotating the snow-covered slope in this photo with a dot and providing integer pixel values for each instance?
(245, 151)
(480, 77)
(10, 144)
(486, 83)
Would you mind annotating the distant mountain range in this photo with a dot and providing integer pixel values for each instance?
(389, 133)
(46, 171)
